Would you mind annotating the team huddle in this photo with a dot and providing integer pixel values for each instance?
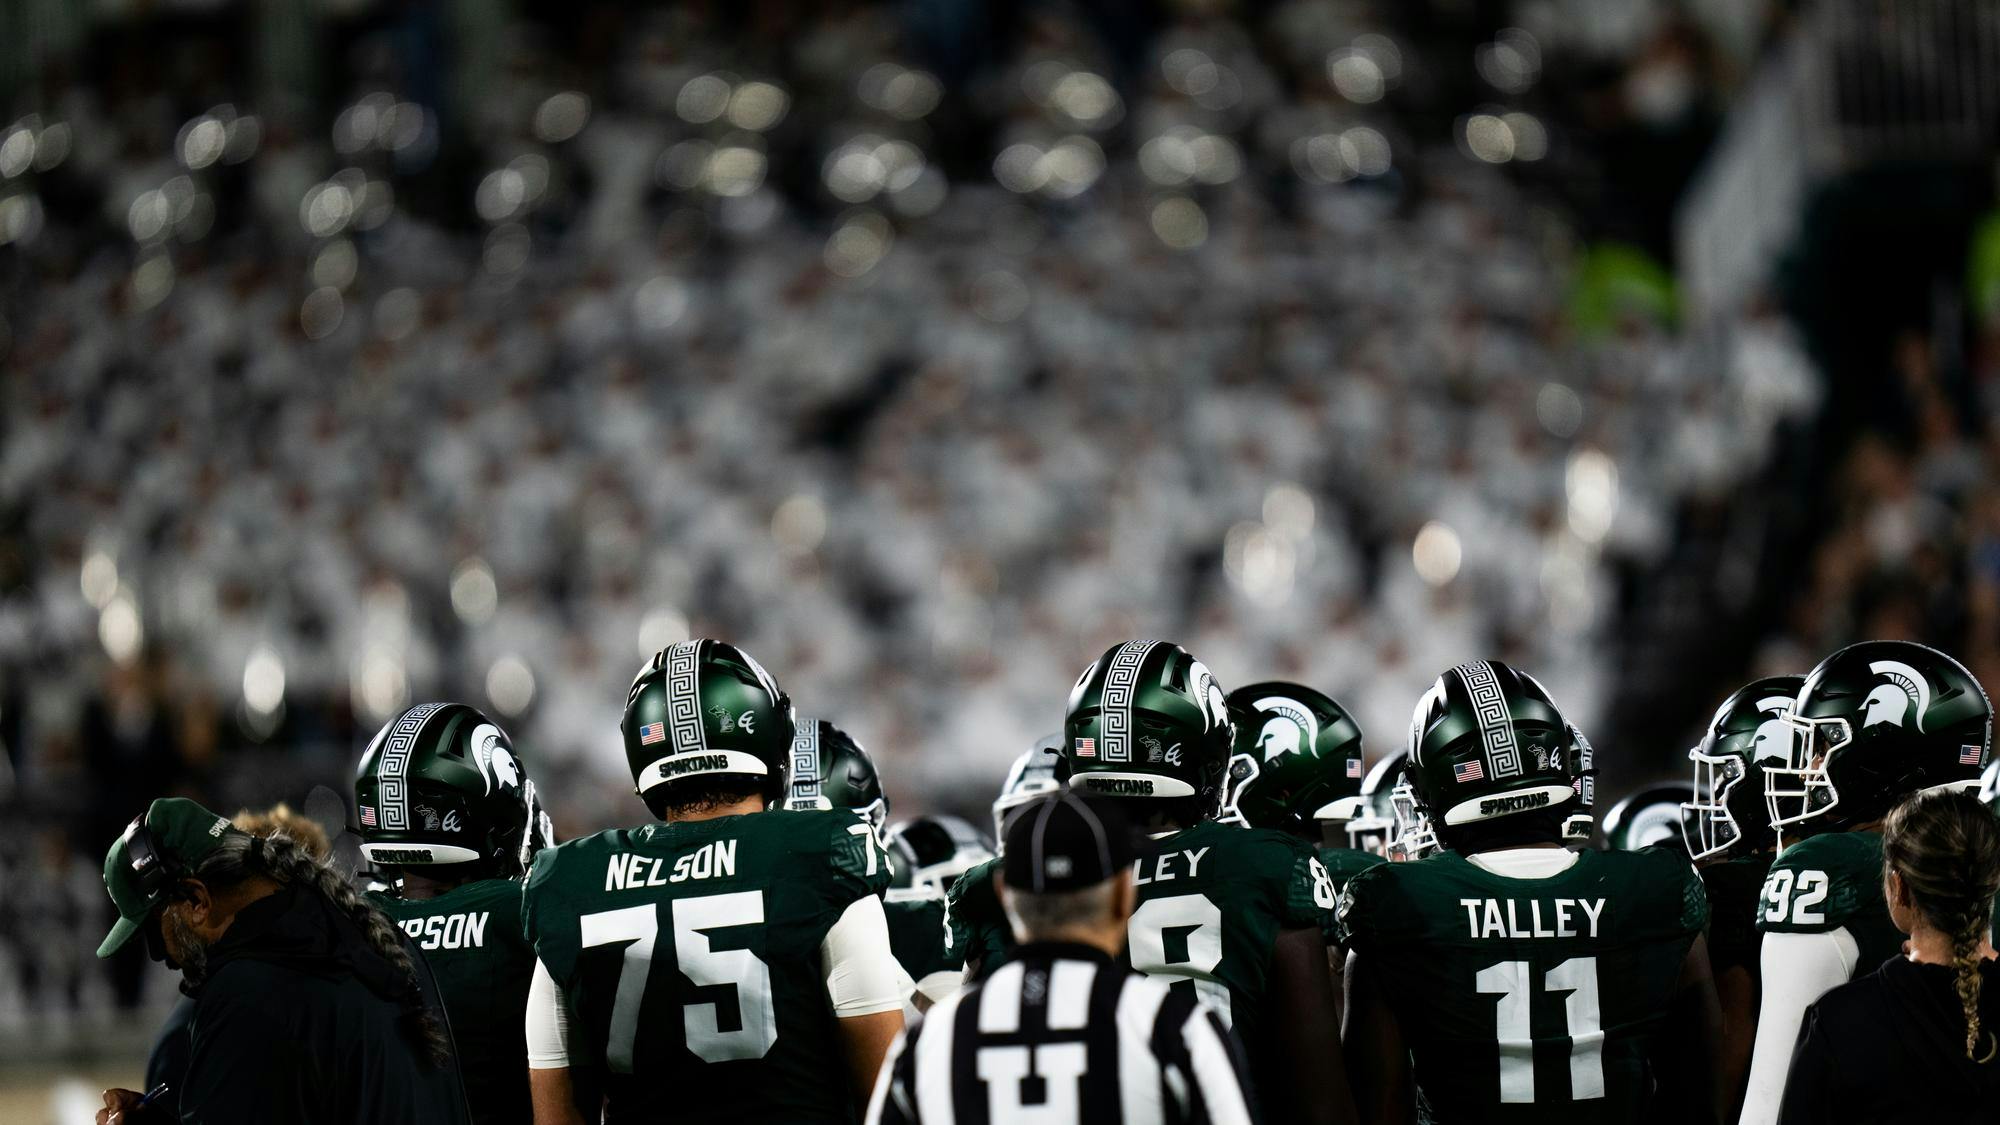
(1435, 938)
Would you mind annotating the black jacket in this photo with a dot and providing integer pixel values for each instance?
(299, 1021)
(1890, 1047)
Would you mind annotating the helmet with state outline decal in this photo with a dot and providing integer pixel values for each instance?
(441, 784)
(1147, 720)
(1487, 741)
(705, 709)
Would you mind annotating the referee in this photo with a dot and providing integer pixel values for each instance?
(1063, 1034)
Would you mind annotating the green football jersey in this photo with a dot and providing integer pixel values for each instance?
(1830, 882)
(1529, 1000)
(471, 938)
(980, 933)
(1343, 864)
(920, 936)
(1212, 899)
(689, 954)
(1735, 889)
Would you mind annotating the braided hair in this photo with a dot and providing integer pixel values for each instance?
(280, 858)
(1945, 846)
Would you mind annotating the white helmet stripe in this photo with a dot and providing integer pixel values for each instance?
(392, 769)
(805, 763)
(684, 698)
(1496, 727)
(1121, 682)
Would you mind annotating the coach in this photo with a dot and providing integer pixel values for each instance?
(308, 1007)
(1062, 1033)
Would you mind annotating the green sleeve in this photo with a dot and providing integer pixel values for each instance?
(1359, 914)
(860, 865)
(980, 935)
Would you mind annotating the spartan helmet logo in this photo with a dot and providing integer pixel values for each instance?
(1280, 736)
(1288, 729)
(1773, 738)
(1889, 702)
(496, 765)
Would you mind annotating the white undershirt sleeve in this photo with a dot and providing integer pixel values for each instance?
(1798, 969)
(862, 976)
(548, 1022)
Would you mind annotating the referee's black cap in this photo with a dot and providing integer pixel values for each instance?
(1065, 842)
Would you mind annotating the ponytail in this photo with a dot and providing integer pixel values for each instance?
(1945, 847)
(280, 858)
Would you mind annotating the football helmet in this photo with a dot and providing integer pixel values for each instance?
(1148, 720)
(1873, 724)
(1727, 815)
(1647, 816)
(1486, 741)
(441, 784)
(1579, 826)
(704, 707)
(830, 770)
(1297, 759)
(929, 853)
(1042, 769)
(1372, 829)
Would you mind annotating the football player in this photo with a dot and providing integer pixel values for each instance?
(979, 930)
(1506, 977)
(1873, 724)
(1297, 769)
(449, 817)
(726, 963)
(1648, 817)
(926, 856)
(830, 770)
(1237, 914)
(1729, 836)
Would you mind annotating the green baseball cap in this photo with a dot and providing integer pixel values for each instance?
(171, 838)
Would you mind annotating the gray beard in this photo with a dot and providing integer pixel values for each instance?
(192, 952)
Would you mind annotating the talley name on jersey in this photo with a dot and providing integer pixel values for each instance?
(1514, 918)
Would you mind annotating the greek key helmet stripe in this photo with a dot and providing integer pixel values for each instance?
(684, 698)
(805, 759)
(1489, 706)
(392, 768)
(1121, 683)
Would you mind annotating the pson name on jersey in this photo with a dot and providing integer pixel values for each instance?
(1532, 918)
(448, 931)
(627, 870)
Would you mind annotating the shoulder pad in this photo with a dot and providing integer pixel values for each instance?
(1822, 883)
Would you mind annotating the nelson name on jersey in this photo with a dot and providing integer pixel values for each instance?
(1532, 918)
(629, 869)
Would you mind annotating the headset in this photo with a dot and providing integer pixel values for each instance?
(151, 866)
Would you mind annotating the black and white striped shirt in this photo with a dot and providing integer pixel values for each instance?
(1063, 1035)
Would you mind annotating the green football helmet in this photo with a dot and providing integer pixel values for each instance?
(440, 784)
(1873, 724)
(704, 708)
(830, 770)
(1647, 816)
(1486, 741)
(1042, 769)
(1726, 815)
(1297, 759)
(1148, 721)
(929, 853)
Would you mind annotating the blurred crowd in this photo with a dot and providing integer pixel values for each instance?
(1208, 339)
